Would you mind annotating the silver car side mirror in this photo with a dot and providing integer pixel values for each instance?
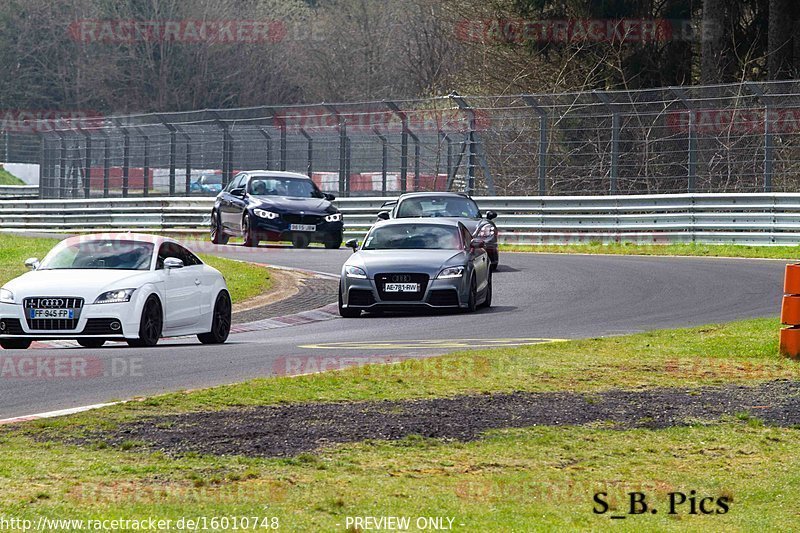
(172, 262)
(32, 263)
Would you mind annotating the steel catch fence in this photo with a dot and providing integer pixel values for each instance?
(703, 139)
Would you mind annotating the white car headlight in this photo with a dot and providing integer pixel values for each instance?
(355, 272)
(115, 297)
(269, 215)
(451, 272)
(486, 232)
(336, 217)
(6, 296)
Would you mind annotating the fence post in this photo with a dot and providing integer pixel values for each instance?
(62, 164)
(268, 138)
(87, 169)
(145, 162)
(309, 151)
(616, 126)
(417, 153)
(344, 151)
(543, 135)
(384, 158)
(769, 141)
(106, 164)
(403, 144)
(476, 155)
(188, 184)
(692, 140)
(172, 153)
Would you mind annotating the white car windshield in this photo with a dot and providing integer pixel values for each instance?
(100, 254)
(442, 206)
(413, 236)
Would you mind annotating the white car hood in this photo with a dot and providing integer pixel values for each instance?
(87, 283)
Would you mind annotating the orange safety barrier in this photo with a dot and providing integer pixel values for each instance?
(790, 313)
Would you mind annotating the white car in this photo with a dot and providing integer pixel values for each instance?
(124, 286)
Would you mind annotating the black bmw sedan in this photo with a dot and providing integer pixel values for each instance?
(275, 206)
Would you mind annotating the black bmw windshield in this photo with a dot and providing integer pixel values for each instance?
(413, 237)
(277, 186)
(106, 254)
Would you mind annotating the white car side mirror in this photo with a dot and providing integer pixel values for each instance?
(32, 263)
(172, 262)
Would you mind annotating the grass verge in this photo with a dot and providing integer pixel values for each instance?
(696, 250)
(245, 280)
(537, 478)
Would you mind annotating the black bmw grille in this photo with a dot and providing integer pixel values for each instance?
(360, 298)
(443, 298)
(402, 277)
(54, 302)
(296, 218)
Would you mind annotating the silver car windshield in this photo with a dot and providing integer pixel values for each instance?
(443, 206)
(101, 254)
(414, 237)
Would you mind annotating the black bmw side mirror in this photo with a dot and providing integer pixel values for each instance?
(490, 215)
(352, 243)
(329, 197)
(238, 192)
(383, 215)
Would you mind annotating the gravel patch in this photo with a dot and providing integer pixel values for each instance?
(286, 430)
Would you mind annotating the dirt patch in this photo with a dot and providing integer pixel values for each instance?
(285, 283)
(285, 430)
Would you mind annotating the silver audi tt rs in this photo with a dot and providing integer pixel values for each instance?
(416, 263)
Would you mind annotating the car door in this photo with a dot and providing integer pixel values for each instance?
(231, 208)
(181, 287)
(480, 260)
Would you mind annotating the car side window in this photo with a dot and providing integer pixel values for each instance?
(170, 249)
(466, 237)
(235, 183)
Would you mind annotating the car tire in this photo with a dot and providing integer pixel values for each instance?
(151, 325)
(300, 241)
(220, 322)
(346, 312)
(218, 235)
(487, 302)
(15, 344)
(472, 302)
(92, 343)
(250, 239)
(333, 242)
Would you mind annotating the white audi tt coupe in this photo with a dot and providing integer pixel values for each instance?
(124, 286)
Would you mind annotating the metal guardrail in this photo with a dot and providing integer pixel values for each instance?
(751, 219)
(19, 191)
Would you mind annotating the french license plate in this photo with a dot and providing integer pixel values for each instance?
(52, 313)
(302, 227)
(401, 287)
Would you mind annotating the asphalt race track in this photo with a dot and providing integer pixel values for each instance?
(536, 296)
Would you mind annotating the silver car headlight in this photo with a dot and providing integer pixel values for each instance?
(355, 272)
(486, 232)
(451, 272)
(6, 296)
(115, 297)
(336, 217)
(269, 215)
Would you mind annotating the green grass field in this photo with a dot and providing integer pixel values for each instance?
(7, 178)
(536, 478)
(695, 250)
(245, 280)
